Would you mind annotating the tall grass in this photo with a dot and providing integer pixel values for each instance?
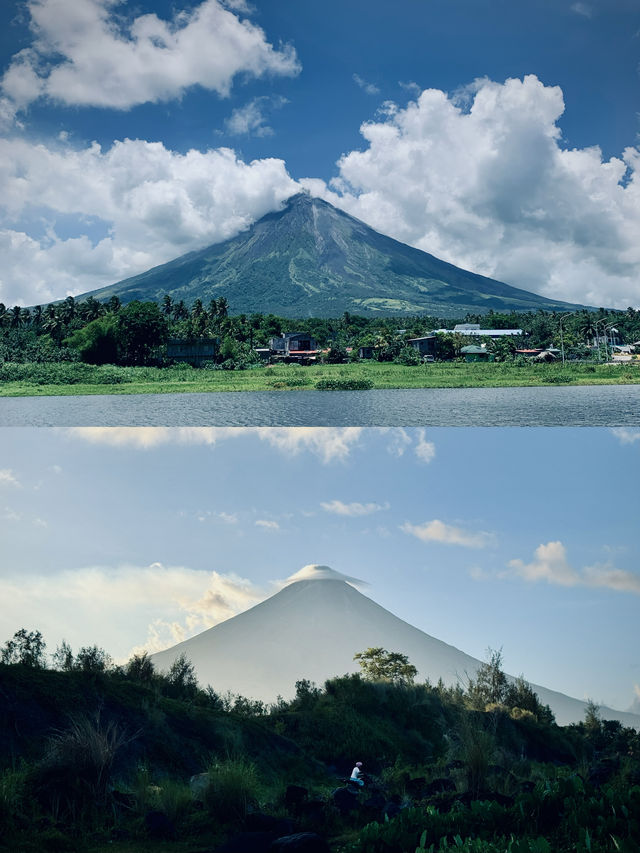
(233, 786)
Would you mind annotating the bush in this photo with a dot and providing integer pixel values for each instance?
(73, 778)
(343, 384)
(233, 787)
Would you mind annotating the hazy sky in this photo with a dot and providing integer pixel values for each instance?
(499, 135)
(525, 539)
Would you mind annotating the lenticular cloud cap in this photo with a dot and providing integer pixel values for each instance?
(315, 572)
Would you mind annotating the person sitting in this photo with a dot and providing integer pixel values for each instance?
(356, 775)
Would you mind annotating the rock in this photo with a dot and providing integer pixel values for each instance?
(294, 796)
(345, 800)
(301, 842)
(198, 785)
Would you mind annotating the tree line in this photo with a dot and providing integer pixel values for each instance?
(136, 333)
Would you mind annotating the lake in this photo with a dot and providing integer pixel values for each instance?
(587, 405)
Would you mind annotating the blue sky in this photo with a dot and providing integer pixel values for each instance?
(499, 136)
(525, 539)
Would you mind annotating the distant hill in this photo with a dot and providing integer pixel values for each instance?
(311, 259)
(312, 628)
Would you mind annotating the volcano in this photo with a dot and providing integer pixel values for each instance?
(312, 628)
(312, 260)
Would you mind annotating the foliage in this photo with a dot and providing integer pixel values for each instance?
(377, 664)
(490, 684)
(340, 384)
(233, 787)
(26, 648)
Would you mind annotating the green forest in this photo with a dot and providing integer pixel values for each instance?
(96, 756)
(135, 334)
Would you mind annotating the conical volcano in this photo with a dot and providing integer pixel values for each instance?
(311, 629)
(312, 260)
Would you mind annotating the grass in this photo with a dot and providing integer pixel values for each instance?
(34, 380)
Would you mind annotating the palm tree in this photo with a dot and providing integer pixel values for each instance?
(167, 305)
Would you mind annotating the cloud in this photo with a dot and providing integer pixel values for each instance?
(369, 88)
(550, 564)
(117, 607)
(8, 478)
(330, 444)
(626, 435)
(144, 204)
(582, 9)
(250, 120)
(352, 510)
(326, 442)
(446, 534)
(90, 53)
(425, 450)
(267, 525)
(479, 178)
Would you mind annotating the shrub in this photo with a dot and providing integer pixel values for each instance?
(233, 786)
(336, 384)
(72, 779)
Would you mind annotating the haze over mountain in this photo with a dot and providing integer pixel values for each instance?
(311, 259)
(312, 628)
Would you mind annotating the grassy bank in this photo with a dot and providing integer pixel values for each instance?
(25, 380)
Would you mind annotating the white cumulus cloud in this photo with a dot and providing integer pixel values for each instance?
(266, 524)
(8, 478)
(447, 534)
(352, 510)
(149, 204)
(250, 120)
(626, 435)
(91, 53)
(551, 564)
(329, 443)
(125, 607)
(480, 178)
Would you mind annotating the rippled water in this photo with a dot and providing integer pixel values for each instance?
(592, 405)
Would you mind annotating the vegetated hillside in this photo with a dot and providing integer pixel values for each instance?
(93, 758)
(311, 259)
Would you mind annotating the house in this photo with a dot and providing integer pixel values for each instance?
(294, 346)
(194, 352)
(367, 352)
(474, 330)
(425, 345)
(474, 353)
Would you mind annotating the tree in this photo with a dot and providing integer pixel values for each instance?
(377, 664)
(141, 329)
(520, 694)
(141, 669)
(490, 684)
(182, 679)
(63, 657)
(97, 342)
(92, 659)
(26, 648)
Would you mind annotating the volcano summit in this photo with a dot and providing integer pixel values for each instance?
(312, 260)
(312, 628)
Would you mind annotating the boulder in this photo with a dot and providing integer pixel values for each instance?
(294, 796)
(345, 800)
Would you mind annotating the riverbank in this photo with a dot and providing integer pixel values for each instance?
(35, 380)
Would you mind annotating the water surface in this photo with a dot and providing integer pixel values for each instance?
(587, 405)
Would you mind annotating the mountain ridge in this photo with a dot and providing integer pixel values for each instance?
(312, 259)
(311, 629)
